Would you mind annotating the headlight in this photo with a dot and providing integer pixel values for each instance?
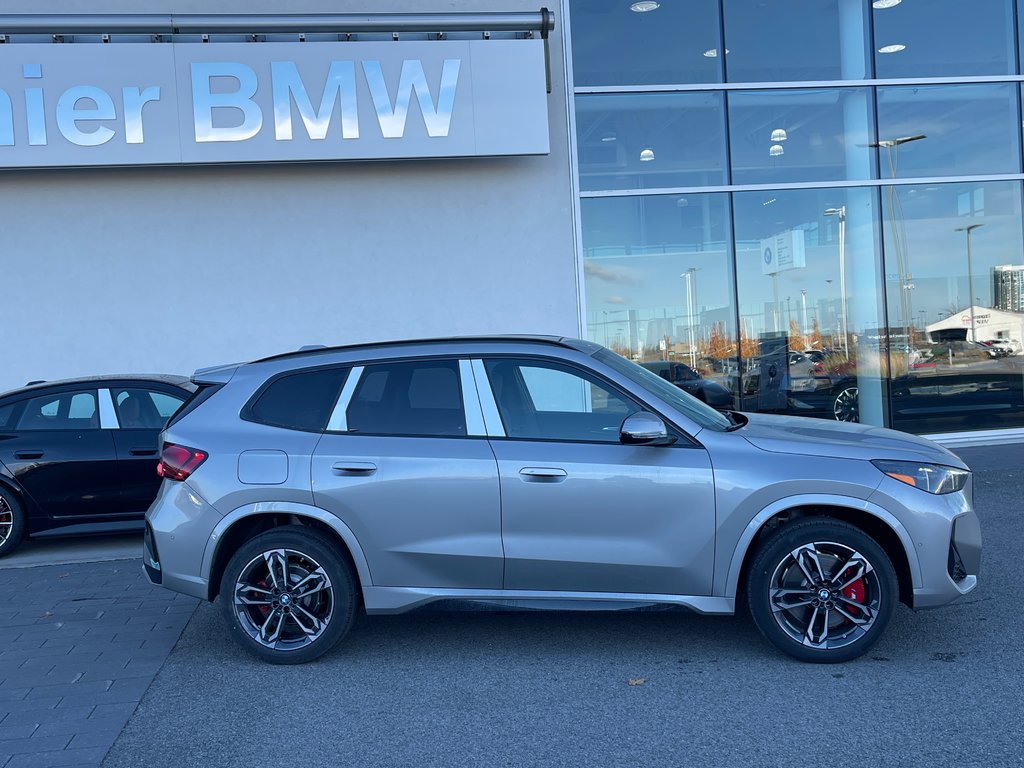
(934, 478)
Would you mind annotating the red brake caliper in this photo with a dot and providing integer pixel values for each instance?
(264, 609)
(856, 592)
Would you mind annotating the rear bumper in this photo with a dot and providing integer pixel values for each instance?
(178, 526)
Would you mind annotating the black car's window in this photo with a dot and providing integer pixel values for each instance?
(143, 408)
(547, 401)
(6, 416)
(421, 398)
(300, 401)
(63, 410)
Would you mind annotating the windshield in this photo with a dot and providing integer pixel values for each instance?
(701, 413)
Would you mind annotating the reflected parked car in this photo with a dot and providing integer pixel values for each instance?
(688, 380)
(79, 456)
(540, 472)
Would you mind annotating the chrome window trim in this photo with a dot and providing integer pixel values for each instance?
(339, 416)
(488, 405)
(471, 407)
(108, 414)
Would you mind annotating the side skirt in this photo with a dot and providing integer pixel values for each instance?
(381, 600)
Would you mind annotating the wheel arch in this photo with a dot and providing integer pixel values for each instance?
(243, 524)
(873, 520)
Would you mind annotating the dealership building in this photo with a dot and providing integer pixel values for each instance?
(817, 204)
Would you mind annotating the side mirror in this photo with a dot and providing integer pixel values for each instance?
(643, 428)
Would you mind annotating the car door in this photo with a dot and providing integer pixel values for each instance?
(581, 512)
(141, 413)
(405, 463)
(61, 458)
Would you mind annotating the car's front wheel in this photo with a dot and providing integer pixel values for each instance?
(821, 590)
(845, 404)
(12, 522)
(288, 595)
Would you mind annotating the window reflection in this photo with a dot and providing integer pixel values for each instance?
(945, 130)
(643, 141)
(818, 40)
(658, 280)
(944, 37)
(615, 45)
(954, 266)
(809, 303)
(800, 135)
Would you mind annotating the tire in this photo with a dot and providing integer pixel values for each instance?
(845, 404)
(12, 522)
(838, 614)
(299, 624)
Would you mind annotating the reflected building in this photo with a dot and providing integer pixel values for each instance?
(1008, 287)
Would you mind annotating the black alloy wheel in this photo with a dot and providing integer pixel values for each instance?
(288, 595)
(12, 522)
(822, 590)
(845, 405)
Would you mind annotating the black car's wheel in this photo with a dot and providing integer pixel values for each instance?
(12, 522)
(288, 595)
(821, 590)
(845, 405)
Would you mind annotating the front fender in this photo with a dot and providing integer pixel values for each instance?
(289, 508)
(730, 587)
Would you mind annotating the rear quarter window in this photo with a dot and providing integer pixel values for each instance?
(301, 401)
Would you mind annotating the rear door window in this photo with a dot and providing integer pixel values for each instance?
(139, 408)
(421, 398)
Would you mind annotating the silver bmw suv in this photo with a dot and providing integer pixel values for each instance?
(540, 471)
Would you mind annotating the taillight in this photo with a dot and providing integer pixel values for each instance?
(177, 462)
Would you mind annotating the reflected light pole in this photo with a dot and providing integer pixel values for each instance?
(841, 213)
(970, 272)
(688, 274)
(803, 302)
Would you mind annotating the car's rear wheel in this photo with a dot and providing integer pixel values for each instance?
(822, 590)
(12, 522)
(288, 595)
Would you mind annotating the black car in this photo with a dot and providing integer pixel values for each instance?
(79, 456)
(691, 382)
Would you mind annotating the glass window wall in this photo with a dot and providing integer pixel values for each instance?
(812, 40)
(810, 285)
(956, 333)
(940, 38)
(658, 277)
(619, 42)
(948, 130)
(645, 141)
(801, 135)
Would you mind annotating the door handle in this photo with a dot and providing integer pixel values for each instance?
(142, 452)
(354, 467)
(28, 454)
(542, 474)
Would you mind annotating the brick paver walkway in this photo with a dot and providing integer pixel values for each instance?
(79, 646)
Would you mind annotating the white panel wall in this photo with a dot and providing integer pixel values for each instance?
(170, 269)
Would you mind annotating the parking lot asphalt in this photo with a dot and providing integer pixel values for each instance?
(942, 688)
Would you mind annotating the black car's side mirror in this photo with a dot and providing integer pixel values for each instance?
(643, 428)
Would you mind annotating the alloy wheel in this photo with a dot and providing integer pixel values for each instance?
(845, 407)
(283, 599)
(6, 521)
(825, 595)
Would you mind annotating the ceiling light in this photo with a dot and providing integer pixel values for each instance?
(880, 4)
(609, 137)
(779, 134)
(895, 48)
(646, 155)
(682, 202)
(643, 6)
(712, 53)
(776, 149)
